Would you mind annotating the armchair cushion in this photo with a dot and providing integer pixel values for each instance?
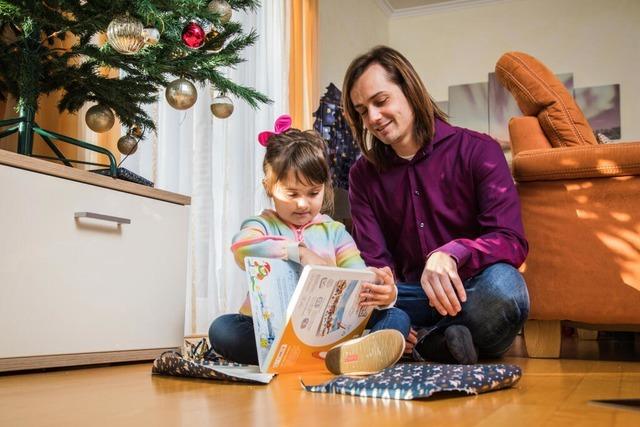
(538, 92)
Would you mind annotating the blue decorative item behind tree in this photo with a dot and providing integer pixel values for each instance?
(332, 125)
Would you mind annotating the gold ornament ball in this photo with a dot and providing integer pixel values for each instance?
(125, 34)
(181, 94)
(127, 144)
(222, 8)
(221, 107)
(99, 118)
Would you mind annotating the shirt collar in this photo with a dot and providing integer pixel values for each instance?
(443, 130)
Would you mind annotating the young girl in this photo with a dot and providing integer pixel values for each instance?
(298, 181)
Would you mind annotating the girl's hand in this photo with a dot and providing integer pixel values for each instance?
(411, 341)
(381, 293)
(308, 257)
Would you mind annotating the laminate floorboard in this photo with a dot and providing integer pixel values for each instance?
(551, 392)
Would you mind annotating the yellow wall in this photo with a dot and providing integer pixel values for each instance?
(597, 40)
(346, 29)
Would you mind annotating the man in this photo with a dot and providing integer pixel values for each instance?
(437, 204)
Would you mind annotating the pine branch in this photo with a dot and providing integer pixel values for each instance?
(34, 60)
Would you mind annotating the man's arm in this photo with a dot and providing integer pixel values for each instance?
(367, 233)
(499, 214)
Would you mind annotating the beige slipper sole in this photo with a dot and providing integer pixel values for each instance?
(367, 355)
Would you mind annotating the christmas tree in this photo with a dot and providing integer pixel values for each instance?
(152, 44)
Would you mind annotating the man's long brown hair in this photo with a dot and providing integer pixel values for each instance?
(401, 72)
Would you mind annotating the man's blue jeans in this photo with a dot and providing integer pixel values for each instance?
(232, 336)
(496, 308)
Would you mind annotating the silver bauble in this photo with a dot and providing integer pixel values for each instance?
(99, 118)
(221, 107)
(222, 8)
(124, 34)
(207, 26)
(151, 35)
(181, 94)
(127, 144)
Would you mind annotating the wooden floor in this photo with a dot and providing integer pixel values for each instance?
(551, 392)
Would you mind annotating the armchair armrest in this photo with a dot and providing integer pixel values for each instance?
(526, 134)
(577, 162)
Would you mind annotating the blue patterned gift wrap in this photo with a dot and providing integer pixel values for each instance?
(173, 364)
(421, 380)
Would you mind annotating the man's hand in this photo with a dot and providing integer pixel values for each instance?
(441, 282)
(379, 294)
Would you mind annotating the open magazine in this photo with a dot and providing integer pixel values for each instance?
(299, 315)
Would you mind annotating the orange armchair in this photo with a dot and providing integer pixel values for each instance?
(580, 208)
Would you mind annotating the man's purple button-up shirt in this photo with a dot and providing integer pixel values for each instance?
(456, 196)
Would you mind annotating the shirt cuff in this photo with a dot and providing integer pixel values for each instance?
(293, 252)
(456, 250)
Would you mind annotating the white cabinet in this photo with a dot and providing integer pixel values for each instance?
(80, 290)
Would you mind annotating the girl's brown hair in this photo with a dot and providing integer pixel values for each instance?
(401, 72)
(303, 153)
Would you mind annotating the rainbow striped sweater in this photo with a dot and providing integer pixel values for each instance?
(266, 235)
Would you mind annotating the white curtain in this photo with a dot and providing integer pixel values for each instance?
(218, 162)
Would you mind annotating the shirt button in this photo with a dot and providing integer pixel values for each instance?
(421, 225)
(417, 193)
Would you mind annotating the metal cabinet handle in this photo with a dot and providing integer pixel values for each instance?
(102, 217)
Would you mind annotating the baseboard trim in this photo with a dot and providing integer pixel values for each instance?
(63, 360)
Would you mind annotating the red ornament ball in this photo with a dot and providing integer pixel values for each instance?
(193, 35)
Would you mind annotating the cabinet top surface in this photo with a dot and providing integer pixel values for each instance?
(49, 168)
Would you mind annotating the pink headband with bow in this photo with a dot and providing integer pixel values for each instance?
(282, 124)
